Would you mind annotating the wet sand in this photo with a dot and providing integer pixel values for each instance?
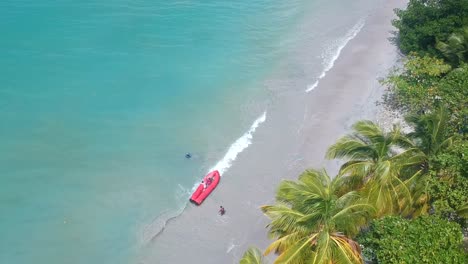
(298, 129)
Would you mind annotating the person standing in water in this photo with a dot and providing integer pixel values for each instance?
(222, 211)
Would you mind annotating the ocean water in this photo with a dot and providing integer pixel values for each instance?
(100, 101)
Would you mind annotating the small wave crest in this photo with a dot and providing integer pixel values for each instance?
(333, 52)
(238, 146)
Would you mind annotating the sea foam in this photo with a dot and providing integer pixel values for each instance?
(238, 146)
(333, 52)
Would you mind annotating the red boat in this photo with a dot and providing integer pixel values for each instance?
(210, 181)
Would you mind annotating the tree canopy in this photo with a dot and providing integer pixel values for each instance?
(426, 239)
(424, 22)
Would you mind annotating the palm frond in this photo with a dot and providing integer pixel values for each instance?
(358, 168)
(252, 256)
(284, 220)
(431, 130)
(283, 243)
(308, 212)
(297, 253)
(323, 248)
(350, 147)
(348, 251)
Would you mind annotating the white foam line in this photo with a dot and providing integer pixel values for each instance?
(352, 33)
(238, 146)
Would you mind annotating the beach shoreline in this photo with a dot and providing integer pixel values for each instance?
(294, 137)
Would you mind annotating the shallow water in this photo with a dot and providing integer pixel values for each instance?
(100, 101)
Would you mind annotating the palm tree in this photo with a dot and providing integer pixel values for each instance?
(431, 131)
(383, 165)
(252, 256)
(313, 221)
(456, 47)
(431, 136)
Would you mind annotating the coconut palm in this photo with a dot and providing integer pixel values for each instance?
(431, 131)
(313, 221)
(384, 165)
(390, 194)
(368, 145)
(252, 256)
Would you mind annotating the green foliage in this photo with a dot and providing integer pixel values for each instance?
(448, 196)
(431, 131)
(252, 256)
(448, 186)
(427, 239)
(426, 21)
(427, 83)
(385, 177)
(426, 69)
(455, 49)
(415, 90)
(313, 222)
(453, 93)
(452, 162)
(463, 211)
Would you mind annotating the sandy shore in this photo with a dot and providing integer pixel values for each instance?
(295, 136)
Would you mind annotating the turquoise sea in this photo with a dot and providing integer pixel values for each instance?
(100, 101)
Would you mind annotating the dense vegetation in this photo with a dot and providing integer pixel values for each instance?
(427, 239)
(424, 23)
(399, 197)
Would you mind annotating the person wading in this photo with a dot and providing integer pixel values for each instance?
(222, 211)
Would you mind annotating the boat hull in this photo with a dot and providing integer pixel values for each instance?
(201, 193)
